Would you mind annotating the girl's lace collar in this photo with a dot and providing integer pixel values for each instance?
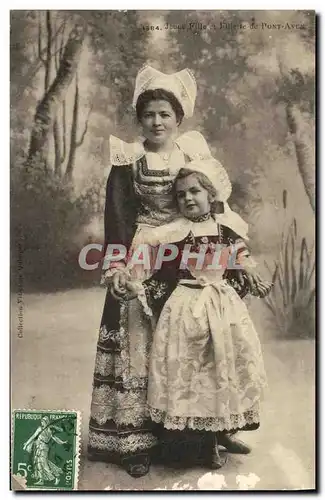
(178, 229)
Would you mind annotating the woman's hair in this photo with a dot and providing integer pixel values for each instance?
(158, 95)
(216, 206)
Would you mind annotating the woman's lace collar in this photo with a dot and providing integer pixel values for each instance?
(192, 144)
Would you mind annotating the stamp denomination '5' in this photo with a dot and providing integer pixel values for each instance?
(45, 451)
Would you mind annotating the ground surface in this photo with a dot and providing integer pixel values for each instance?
(52, 368)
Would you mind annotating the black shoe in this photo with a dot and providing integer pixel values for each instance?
(137, 466)
(232, 444)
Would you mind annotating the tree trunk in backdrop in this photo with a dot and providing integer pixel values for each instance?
(48, 106)
(304, 150)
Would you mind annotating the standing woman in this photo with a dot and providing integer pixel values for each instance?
(139, 194)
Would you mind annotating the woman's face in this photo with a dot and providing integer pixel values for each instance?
(159, 122)
(193, 199)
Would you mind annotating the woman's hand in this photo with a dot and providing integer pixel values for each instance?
(124, 288)
(132, 289)
(117, 284)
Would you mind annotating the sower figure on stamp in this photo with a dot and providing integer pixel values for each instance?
(139, 195)
(206, 372)
(38, 445)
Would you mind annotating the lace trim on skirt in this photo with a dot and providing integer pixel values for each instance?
(118, 364)
(129, 407)
(128, 444)
(209, 424)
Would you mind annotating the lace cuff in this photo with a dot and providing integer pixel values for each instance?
(143, 300)
(107, 275)
(141, 295)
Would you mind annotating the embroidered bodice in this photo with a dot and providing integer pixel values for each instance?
(216, 245)
(191, 237)
(153, 184)
(153, 178)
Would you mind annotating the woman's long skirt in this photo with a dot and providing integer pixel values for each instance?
(120, 427)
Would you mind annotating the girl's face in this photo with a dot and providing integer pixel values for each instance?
(159, 123)
(193, 199)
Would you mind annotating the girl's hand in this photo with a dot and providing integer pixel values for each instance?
(258, 286)
(253, 278)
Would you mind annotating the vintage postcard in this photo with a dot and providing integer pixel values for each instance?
(163, 250)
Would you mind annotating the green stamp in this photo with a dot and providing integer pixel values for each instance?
(45, 449)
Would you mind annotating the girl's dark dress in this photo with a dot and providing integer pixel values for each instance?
(206, 372)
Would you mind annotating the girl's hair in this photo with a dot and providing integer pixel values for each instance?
(158, 95)
(216, 206)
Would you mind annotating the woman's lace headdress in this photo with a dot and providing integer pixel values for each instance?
(182, 84)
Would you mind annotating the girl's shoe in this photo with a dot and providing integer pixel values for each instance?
(232, 444)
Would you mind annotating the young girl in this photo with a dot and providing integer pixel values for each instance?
(206, 370)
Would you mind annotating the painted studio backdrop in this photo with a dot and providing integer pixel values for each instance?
(72, 81)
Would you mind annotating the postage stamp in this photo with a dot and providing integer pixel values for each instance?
(45, 449)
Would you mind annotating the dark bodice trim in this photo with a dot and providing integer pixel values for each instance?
(202, 218)
(147, 172)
